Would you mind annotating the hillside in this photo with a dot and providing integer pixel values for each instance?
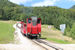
(73, 7)
(55, 35)
(51, 15)
(6, 32)
(6, 3)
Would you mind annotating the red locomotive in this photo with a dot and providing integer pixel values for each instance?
(32, 27)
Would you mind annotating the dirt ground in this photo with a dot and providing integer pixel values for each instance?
(63, 46)
(22, 43)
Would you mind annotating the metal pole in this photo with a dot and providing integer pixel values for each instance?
(62, 36)
(49, 32)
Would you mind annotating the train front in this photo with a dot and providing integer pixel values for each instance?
(34, 26)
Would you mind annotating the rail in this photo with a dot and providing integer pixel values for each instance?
(37, 41)
(48, 44)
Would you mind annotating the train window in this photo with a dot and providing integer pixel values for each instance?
(25, 25)
(29, 21)
(38, 21)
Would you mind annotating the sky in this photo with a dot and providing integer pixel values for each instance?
(59, 3)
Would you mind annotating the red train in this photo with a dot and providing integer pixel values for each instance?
(32, 28)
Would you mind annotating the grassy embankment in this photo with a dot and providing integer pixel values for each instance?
(6, 31)
(55, 35)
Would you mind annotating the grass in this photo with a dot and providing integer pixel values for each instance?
(57, 41)
(55, 35)
(6, 32)
(7, 36)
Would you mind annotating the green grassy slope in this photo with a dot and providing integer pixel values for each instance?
(55, 35)
(6, 32)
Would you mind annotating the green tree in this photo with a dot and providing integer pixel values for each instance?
(72, 32)
(68, 28)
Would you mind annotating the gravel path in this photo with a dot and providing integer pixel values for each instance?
(66, 46)
(22, 43)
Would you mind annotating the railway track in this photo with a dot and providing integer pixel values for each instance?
(43, 44)
(17, 25)
(40, 42)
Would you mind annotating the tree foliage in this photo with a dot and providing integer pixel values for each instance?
(72, 32)
(51, 15)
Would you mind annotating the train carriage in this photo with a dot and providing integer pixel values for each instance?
(33, 27)
(23, 28)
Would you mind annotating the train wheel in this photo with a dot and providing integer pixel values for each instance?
(39, 35)
(21, 32)
(24, 34)
(35, 37)
(29, 36)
